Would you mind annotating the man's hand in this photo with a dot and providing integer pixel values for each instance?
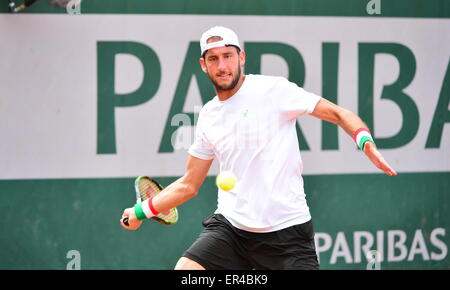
(133, 222)
(375, 156)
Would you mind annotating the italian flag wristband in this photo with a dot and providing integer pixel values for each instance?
(145, 210)
(140, 215)
(361, 136)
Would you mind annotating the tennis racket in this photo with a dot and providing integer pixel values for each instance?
(147, 187)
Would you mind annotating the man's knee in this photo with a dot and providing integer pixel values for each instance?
(188, 264)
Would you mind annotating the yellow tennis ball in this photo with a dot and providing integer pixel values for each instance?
(226, 180)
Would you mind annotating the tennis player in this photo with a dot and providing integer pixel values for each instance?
(263, 222)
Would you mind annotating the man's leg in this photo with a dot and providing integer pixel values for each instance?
(291, 248)
(218, 247)
(188, 264)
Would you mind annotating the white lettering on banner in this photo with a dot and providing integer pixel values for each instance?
(380, 244)
(358, 244)
(27, 153)
(323, 243)
(341, 249)
(438, 244)
(418, 247)
(400, 249)
(394, 244)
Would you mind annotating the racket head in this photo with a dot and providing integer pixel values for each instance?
(147, 187)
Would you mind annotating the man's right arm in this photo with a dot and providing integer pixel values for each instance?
(184, 188)
(177, 192)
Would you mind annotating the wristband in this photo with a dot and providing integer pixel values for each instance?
(148, 209)
(361, 136)
(140, 215)
(363, 141)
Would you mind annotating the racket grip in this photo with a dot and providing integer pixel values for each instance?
(125, 221)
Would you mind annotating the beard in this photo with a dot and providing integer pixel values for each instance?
(229, 87)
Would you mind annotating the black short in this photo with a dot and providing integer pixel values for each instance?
(221, 246)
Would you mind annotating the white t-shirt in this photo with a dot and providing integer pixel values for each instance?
(253, 135)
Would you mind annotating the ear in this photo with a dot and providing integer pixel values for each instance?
(242, 57)
(203, 64)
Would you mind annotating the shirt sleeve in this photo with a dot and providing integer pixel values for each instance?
(201, 148)
(295, 101)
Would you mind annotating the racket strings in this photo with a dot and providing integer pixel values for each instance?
(147, 189)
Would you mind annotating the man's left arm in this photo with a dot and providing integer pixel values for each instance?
(351, 123)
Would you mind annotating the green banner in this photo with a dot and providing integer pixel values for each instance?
(43, 220)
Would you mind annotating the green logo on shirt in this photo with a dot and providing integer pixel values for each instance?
(245, 113)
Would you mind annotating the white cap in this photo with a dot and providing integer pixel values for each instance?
(228, 38)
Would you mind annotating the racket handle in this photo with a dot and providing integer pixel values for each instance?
(125, 221)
